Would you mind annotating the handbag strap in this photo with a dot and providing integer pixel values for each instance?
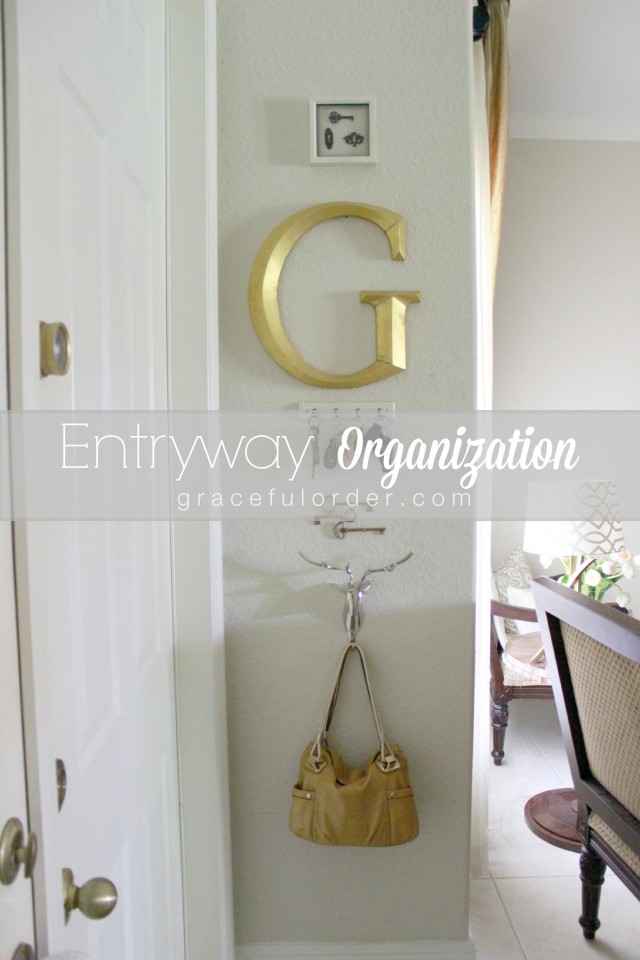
(387, 760)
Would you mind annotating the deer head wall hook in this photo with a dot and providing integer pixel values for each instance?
(355, 591)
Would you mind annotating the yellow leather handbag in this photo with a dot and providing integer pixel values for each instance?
(332, 804)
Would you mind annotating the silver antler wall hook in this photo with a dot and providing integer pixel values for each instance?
(355, 591)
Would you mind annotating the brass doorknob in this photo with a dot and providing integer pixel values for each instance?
(95, 899)
(15, 851)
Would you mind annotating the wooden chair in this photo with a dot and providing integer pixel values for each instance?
(593, 658)
(513, 677)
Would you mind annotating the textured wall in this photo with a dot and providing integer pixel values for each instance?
(284, 629)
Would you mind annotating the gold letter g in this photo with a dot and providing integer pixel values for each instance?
(390, 305)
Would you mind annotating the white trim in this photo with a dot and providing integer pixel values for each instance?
(15, 904)
(211, 201)
(200, 669)
(419, 950)
(479, 857)
(223, 912)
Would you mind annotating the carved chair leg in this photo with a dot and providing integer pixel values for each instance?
(592, 870)
(499, 721)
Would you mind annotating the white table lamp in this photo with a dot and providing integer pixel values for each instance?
(592, 530)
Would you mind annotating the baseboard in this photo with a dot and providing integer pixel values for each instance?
(418, 950)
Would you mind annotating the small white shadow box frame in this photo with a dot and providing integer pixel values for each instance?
(343, 130)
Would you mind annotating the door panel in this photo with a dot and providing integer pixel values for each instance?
(87, 224)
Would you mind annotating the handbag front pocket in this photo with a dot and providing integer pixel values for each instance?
(301, 814)
(403, 815)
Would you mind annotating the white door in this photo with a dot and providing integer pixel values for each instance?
(86, 139)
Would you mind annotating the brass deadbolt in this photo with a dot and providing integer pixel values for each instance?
(61, 781)
(55, 349)
(24, 952)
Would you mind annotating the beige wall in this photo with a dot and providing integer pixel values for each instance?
(568, 289)
(284, 628)
(566, 324)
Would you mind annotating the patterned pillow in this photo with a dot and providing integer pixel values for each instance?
(513, 572)
(522, 597)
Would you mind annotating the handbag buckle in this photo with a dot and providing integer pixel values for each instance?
(388, 764)
(316, 764)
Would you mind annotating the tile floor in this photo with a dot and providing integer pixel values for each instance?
(528, 908)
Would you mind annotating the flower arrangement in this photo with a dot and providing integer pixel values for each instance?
(601, 574)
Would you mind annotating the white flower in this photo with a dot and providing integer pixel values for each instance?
(546, 560)
(628, 570)
(624, 556)
(592, 578)
(608, 568)
(623, 599)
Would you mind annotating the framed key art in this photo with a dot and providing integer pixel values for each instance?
(342, 130)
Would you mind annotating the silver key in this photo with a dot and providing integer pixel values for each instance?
(341, 530)
(335, 117)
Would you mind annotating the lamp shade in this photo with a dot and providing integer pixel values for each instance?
(593, 526)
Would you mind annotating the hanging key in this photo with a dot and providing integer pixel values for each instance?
(315, 450)
(341, 530)
(335, 117)
(314, 432)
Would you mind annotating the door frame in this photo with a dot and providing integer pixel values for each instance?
(197, 545)
(21, 926)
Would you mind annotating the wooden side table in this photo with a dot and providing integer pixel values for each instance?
(552, 816)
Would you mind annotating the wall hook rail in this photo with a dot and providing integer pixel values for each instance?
(355, 591)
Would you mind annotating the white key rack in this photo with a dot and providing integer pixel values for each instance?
(367, 410)
(329, 413)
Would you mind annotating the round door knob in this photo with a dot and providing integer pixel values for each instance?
(95, 899)
(15, 851)
(55, 349)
